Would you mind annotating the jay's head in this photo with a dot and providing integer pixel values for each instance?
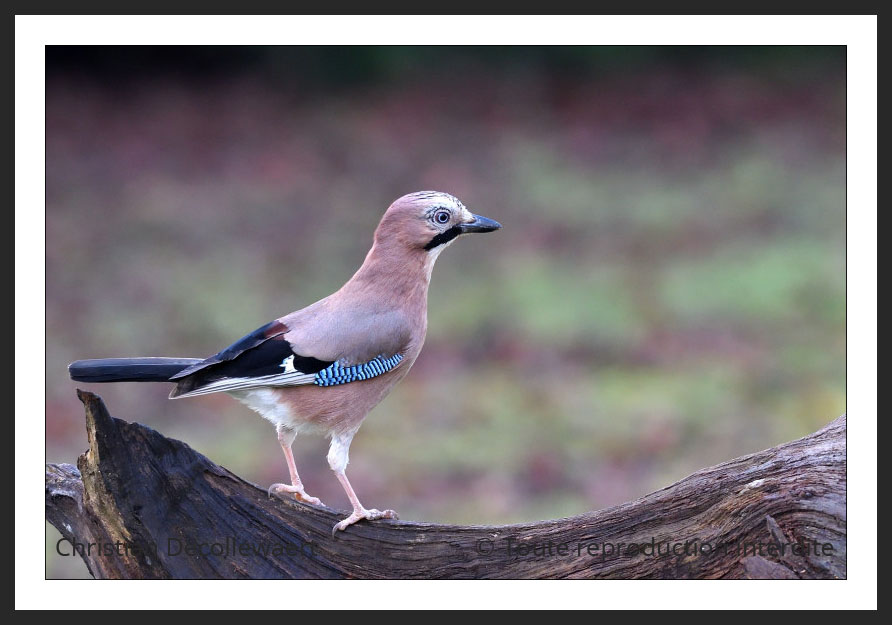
(428, 221)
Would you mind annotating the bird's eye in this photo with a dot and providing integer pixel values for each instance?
(441, 217)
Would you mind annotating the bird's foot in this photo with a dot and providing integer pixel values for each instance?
(361, 514)
(299, 493)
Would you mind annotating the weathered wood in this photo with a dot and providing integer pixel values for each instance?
(779, 513)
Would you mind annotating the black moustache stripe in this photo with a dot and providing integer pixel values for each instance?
(443, 237)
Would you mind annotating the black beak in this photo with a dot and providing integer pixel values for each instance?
(480, 224)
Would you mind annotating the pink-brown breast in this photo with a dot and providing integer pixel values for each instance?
(342, 408)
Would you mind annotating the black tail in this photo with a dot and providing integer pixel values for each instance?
(128, 369)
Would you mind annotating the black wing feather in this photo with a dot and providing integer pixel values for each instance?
(260, 353)
(257, 337)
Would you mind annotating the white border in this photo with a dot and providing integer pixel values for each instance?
(858, 33)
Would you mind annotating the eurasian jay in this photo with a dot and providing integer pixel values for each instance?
(322, 369)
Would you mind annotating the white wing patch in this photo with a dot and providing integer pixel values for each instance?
(288, 363)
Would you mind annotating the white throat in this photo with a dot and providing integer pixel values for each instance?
(434, 254)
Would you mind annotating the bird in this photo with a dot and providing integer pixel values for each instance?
(323, 368)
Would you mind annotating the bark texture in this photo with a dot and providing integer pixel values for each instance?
(139, 505)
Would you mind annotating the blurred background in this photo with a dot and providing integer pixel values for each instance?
(668, 291)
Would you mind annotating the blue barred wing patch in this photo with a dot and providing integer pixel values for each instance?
(336, 374)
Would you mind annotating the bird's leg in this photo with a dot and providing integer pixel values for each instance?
(337, 460)
(286, 438)
(359, 512)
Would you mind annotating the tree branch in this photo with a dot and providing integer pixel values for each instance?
(140, 505)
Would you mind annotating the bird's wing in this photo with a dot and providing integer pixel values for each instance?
(268, 358)
(255, 339)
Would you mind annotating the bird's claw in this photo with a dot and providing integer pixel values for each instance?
(299, 493)
(371, 515)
